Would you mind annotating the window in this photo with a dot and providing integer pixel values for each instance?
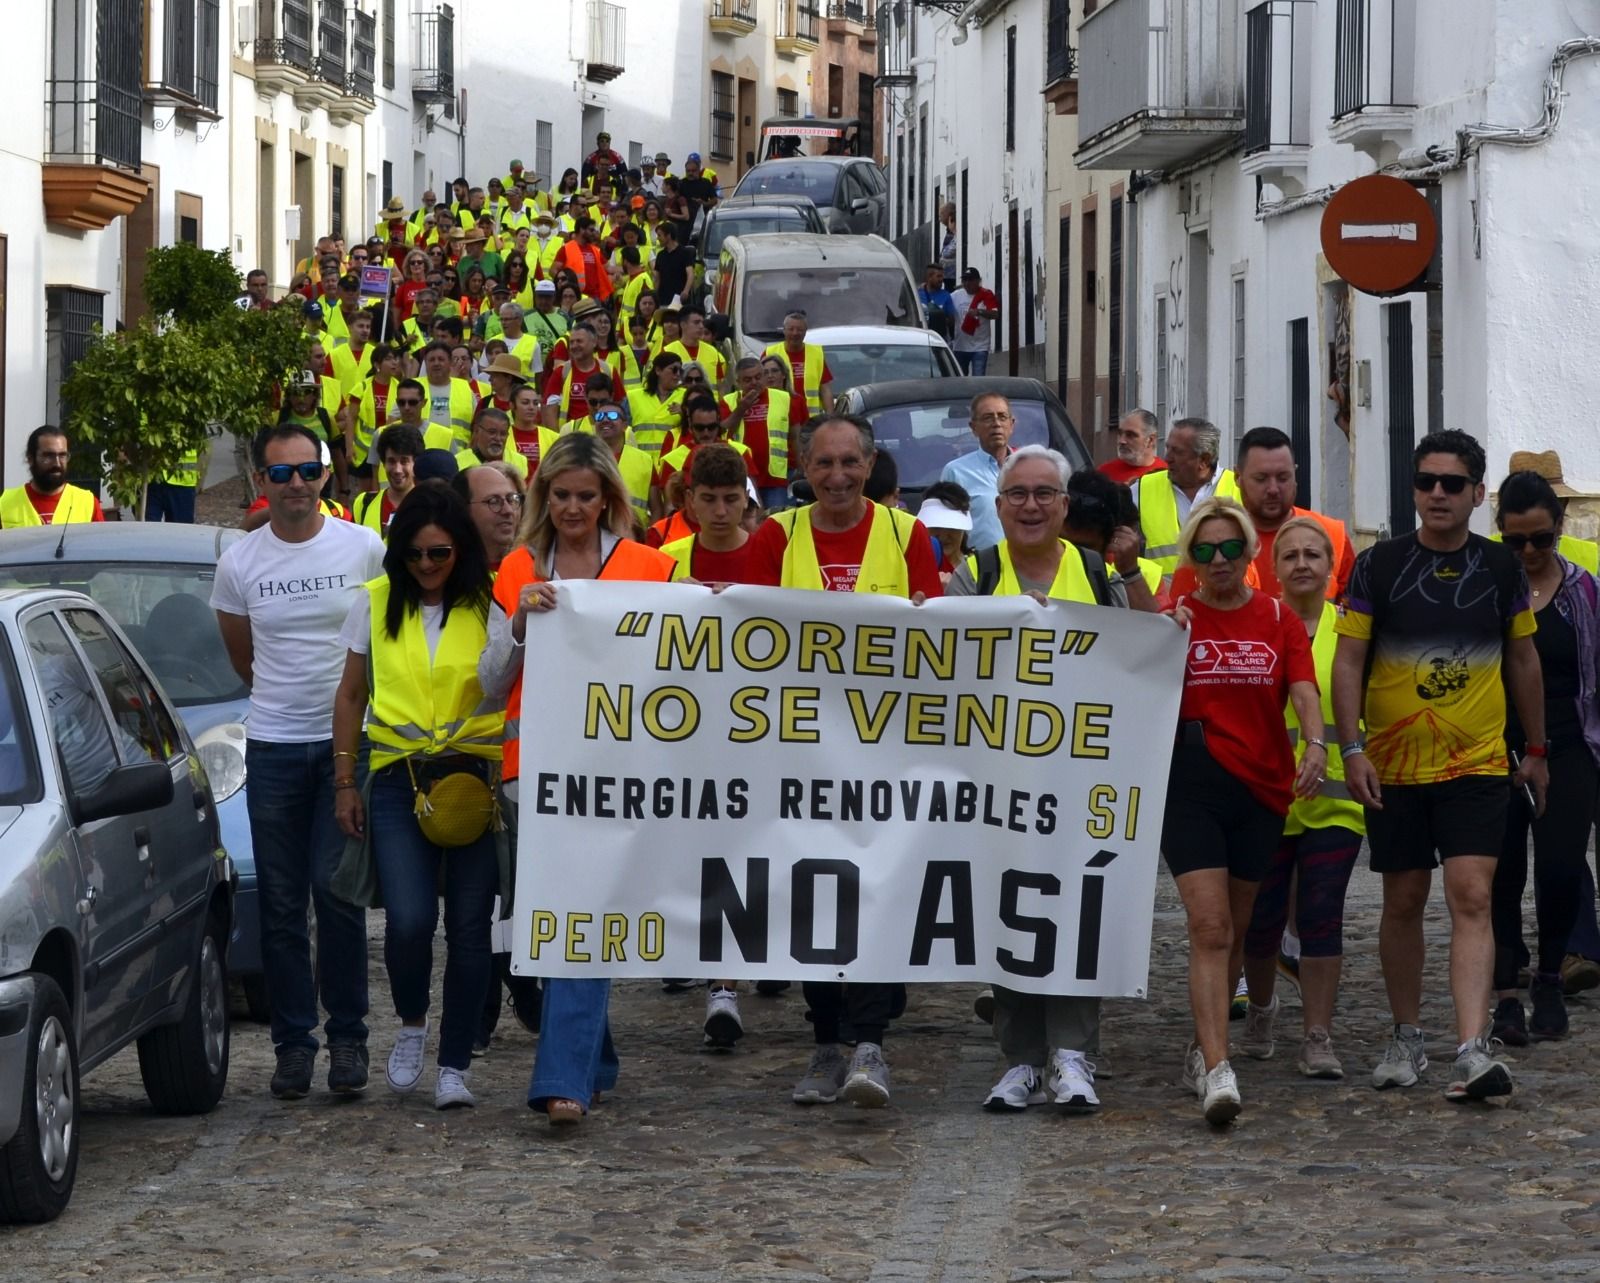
(388, 44)
(1197, 325)
(543, 152)
(1238, 359)
(78, 725)
(1011, 89)
(147, 731)
(94, 96)
(788, 102)
(70, 319)
(1402, 415)
(190, 48)
(722, 116)
(1300, 401)
(900, 184)
(336, 189)
(1163, 382)
(1114, 314)
(921, 210)
(187, 209)
(388, 181)
(867, 141)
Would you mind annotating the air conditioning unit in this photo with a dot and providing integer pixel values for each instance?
(244, 25)
(291, 222)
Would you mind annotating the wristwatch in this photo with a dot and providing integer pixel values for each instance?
(1352, 748)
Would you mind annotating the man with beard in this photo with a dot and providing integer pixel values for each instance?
(46, 498)
(1136, 449)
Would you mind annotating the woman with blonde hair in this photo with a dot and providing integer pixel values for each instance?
(577, 523)
(1233, 771)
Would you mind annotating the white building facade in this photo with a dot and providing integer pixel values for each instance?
(1241, 121)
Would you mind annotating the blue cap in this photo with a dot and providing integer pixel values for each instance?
(694, 156)
(313, 308)
(434, 465)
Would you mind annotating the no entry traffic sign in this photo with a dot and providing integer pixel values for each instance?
(1378, 233)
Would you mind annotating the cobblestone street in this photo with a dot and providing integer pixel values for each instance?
(699, 1168)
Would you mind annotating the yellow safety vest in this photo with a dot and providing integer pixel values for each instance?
(420, 708)
(706, 352)
(814, 364)
(883, 564)
(367, 426)
(1580, 552)
(778, 409)
(1072, 582)
(186, 474)
(610, 366)
(368, 512)
(350, 370)
(1333, 805)
(75, 505)
(524, 349)
(468, 458)
(632, 368)
(436, 436)
(462, 404)
(1158, 514)
(638, 469)
(652, 417)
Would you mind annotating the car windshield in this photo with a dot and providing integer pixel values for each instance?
(829, 295)
(166, 612)
(816, 181)
(750, 225)
(926, 436)
(19, 766)
(854, 364)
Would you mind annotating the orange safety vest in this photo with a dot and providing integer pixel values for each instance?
(590, 269)
(628, 561)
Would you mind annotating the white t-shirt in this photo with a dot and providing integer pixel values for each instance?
(981, 339)
(296, 596)
(356, 634)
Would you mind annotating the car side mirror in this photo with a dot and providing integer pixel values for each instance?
(860, 205)
(145, 786)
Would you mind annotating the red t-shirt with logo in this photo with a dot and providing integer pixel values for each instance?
(839, 555)
(797, 373)
(1236, 681)
(731, 567)
(757, 435)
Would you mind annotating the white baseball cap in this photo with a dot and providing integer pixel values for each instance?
(936, 514)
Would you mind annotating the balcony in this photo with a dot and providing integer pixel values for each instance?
(433, 55)
(359, 95)
(91, 152)
(894, 45)
(849, 18)
(1277, 122)
(1060, 60)
(326, 85)
(733, 17)
(799, 23)
(283, 45)
(608, 41)
(1374, 93)
(1159, 83)
(190, 40)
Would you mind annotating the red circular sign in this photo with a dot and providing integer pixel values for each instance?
(1378, 233)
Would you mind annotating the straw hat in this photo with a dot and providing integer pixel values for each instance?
(395, 206)
(505, 363)
(1547, 463)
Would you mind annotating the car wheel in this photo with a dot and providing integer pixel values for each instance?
(185, 1065)
(39, 1164)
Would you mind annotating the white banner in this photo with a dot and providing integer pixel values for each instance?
(804, 785)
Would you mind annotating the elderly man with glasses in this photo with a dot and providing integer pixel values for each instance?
(978, 471)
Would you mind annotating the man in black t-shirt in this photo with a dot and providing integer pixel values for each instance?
(673, 265)
(697, 188)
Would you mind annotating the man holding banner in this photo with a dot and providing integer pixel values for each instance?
(845, 543)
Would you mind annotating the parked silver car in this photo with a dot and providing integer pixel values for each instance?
(116, 895)
(155, 579)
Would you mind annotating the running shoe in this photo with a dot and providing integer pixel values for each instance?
(866, 1084)
(1316, 1055)
(451, 1090)
(405, 1061)
(1257, 1042)
(1221, 1098)
(1018, 1088)
(1069, 1078)
(723, 1027)
(1476, 1074)
(823, 1078)
(1404, 1062)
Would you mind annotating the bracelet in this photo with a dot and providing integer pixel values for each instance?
(1536, 750)
(1353, 748)
(1312, 743)
(344, 784)
(354, 757)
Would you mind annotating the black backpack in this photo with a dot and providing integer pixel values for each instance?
(1094, 566)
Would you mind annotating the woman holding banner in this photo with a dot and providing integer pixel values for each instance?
(1233, 771)
(1320, 839)
(577, 524)
(1047, 1039)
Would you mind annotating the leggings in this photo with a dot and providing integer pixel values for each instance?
(1324, 860)
(1560, 848)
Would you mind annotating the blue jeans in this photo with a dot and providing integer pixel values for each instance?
(575, 1058)
(167, 502)
(973, 363)
(409, 868)
(297, 847)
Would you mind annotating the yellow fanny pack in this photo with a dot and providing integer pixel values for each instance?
(454, 807)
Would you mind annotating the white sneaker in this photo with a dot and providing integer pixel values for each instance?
(1070, 1079)
(405, 1061)
(450, 1092)
(723, 1027)
(1221, 1095)
(1257, 1041)
(1019, 1088)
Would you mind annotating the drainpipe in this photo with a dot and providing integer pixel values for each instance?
(975, 12)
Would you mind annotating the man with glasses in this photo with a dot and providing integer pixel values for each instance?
(281, 595)
(46, 498)
(493, 494)
(977, 471)
(1191, 476)
(1443, 618)
(491, 430)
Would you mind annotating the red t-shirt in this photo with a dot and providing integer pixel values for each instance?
(527, 445)
(45, 505)
(756, 436)
(380, 402)
(722, 567)
(1126, 474)
(1236, 682)
(339, 510)
(797, 372)
(839, 554)
(578, 402)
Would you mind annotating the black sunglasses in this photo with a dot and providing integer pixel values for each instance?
(1453, 482)
(438, 554)
(1206, 553)
(279, 473)
(1543, 541)
(408, 400)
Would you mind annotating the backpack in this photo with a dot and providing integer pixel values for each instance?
(988, 560)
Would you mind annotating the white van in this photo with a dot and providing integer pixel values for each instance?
(834, 280)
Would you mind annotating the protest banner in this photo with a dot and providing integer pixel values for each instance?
(774, 784)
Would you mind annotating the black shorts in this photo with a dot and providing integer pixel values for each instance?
(1463, 816)
(1213, 821)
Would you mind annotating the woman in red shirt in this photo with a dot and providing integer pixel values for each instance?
(1233, 771)
(416, 280)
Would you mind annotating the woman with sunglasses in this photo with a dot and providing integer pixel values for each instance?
(1529, 516)
(1321, 837)
(1233, 771)
(577, 524)
(654, 410)
(412, 644)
